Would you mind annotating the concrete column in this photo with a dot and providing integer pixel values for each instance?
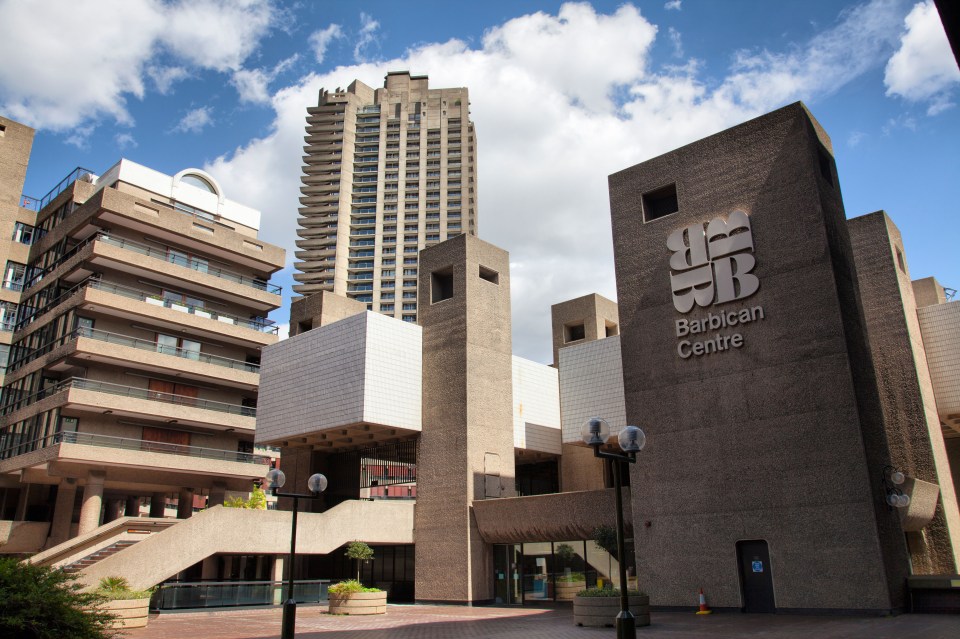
(112, 509)
(63, 512)
(22, 503)
(467, 444)
(157, 504)
(278, 564)
(185, 504)
(92, 502)
(217, 494)
(132, 507)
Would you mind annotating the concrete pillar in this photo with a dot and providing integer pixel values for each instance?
(158, 502)
(278, 564)
(466, 448)
(92, 502)
(112, 509)
(63, 511)
(22, 503)
(217, 494)
(132, 507)
(185, 503)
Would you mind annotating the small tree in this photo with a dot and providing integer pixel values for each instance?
(605, 538)
(43, 603)
(359, 551)
(257, 501)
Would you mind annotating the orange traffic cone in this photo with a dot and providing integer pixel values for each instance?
(704, 610)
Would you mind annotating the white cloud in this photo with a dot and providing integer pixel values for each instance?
(195, 120)
(72, 76)
(125, 141)
(677, 41)
(923, 69)
(672, 5)
(165, 77)
(253, 84)
(549, 131)
(855, 138)
(319, 40)
(366, 37)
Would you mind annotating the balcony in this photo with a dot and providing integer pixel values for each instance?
(160, 312)
(145, 455)
(93, 396)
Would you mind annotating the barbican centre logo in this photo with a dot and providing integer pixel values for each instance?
(712, 264)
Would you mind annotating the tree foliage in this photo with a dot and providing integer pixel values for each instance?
(37, 602)
(359, 551)
(257, 501)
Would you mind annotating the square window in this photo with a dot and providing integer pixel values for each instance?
(660, 203)
(441, 285)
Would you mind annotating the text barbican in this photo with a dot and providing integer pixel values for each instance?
(714, 322)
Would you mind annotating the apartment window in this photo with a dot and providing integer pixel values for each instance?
(409, 318)
(387, 296)
(190, 261)
(386, 307)
(409, 249)
(172, 345)
(410, 307)
(387, 284)
(13, 276)
(8, 316)
(409, 260)
(409, 295)
(23, 233)
(388, 272)
(410, 283)
(388, 262)
(174, 297)
(409, 271)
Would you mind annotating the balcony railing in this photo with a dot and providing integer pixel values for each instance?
(133, 293)
(14, 447)
(81, 383)
(196, 264)
(72, 177)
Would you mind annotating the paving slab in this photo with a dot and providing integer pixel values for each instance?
(459, 622)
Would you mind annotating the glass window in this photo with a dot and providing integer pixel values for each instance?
(197, 181)
(23, 233)
(13, 276)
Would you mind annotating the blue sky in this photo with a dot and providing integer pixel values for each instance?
(562, 94)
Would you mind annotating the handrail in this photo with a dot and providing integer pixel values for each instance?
(82, 383)
(134, 293)
(193, 263)
(132, 342)
(63, 184)
(128, 443)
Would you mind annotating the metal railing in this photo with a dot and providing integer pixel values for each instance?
(137, 294)
(127, 443)
(81, 383)
(29, 202)
(148, 345)
(222, 594)
(72, 177)
(196, 264)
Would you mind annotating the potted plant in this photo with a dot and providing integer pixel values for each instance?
(359, 551)
(129, 608)
(352, 598)
(179, 306)
(156, 300)
(199, 312)
(598, 607)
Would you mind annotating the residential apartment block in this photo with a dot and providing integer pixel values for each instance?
(387, 172)
(135, 307)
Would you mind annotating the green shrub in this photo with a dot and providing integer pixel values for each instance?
(119, 588)
(38, 602)
(257, 501)
(349, 587)
(606, 592)
(573, 577)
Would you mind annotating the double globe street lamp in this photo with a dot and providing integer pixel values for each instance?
(316, 484)
(595, 432)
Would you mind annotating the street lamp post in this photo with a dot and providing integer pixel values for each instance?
(316, 484)
(595, 433)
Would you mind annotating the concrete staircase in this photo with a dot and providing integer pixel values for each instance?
(103, 553)
(163, 554)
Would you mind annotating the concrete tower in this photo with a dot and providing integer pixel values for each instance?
(466, 446)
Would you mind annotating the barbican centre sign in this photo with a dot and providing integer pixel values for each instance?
(712, 264)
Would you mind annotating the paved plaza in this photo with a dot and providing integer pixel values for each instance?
(422, 622)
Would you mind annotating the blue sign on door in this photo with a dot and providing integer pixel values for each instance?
(757, 566)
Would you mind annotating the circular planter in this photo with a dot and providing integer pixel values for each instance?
(567, 590)
(128, 613)
(598, 612)
(358, 603)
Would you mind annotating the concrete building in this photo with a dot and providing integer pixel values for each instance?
(797, 390)
(387, 172)
(135, 309)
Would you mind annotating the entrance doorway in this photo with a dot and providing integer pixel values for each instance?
(756, 579)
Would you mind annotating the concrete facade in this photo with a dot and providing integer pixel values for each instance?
(739, 424)
(135, 319)
(466, 448)
(910, 417)
(387, 172)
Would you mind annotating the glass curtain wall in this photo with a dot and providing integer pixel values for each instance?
(537, 572)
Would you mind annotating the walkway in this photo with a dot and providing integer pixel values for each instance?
(457, 622)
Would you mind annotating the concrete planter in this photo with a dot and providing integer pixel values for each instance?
(226, 320)
(598, 612)
(358, 603)
(128, 613)
(567, 590)
(154, 301)
(200, 313)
